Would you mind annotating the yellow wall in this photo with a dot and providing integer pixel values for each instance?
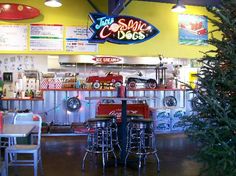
(75, 12)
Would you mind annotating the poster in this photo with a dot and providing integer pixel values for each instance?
(193, 29)
(77, 40)
(13, 37)
(46, 37)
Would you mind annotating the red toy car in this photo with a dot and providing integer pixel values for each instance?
(110, 78)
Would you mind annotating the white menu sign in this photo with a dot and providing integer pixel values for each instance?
(46, 37)
(77, 40)
(13, 37)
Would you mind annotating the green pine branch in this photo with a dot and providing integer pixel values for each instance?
(213, 121)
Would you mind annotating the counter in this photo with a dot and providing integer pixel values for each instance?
(53, 103)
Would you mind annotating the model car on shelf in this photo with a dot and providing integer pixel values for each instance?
(132, 82)
(109, 79)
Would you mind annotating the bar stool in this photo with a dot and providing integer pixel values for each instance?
(131, 117)
(142, 141)
(115, 140)
(99, 140)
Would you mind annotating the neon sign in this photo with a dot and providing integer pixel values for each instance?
(120, 29)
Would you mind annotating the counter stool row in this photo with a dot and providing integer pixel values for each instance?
(103, 137)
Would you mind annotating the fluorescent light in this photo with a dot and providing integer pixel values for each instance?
(179, 7)
(53, 3)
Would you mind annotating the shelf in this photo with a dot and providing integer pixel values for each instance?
(77, 89)
(113, 89)
(119, 98)
(22, 99)
(158, 89)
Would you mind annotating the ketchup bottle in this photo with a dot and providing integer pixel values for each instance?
(121, 91)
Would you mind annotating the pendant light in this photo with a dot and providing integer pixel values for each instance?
(53, 3)
(178, 7)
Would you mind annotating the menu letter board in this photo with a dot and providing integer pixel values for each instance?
(13, 37)
(46, 37)
(77, 40)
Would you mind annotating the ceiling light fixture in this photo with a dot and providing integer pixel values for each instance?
(178, 7)
(53, 3)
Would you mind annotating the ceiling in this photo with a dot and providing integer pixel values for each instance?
(190, 2)
(116, 6)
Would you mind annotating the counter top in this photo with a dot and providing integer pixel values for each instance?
(113, 89)
(119, 98)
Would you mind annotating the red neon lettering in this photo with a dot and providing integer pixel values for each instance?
(102, 33)
(143, 27)
(121, 22)
(133, 25)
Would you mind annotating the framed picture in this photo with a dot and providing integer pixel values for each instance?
(193, 29)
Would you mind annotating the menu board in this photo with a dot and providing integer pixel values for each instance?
(13, 37)
(77, 40)
(46, 37)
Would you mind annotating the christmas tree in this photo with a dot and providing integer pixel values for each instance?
(213, 122)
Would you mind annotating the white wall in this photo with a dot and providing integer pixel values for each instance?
(19, 63)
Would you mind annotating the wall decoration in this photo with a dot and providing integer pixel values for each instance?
(73, 104)
(120, 29)
(77, 40)
(11, 11)
(46, 37)
(18, 63)
(169, 101)
(193, 29)
(13, 37)
(107, 60)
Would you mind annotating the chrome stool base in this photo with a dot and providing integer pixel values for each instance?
(141, 141)
(99, 139)
(115, 140)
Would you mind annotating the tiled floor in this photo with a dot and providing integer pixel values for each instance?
(62, 156)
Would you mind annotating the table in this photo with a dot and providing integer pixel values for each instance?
(16, 130)
(124, 120)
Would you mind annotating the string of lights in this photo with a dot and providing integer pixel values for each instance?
(57, 107)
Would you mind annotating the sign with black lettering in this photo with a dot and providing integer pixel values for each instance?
(120, 29)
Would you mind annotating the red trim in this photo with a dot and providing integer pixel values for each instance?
(22, 99)
(112, 89)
